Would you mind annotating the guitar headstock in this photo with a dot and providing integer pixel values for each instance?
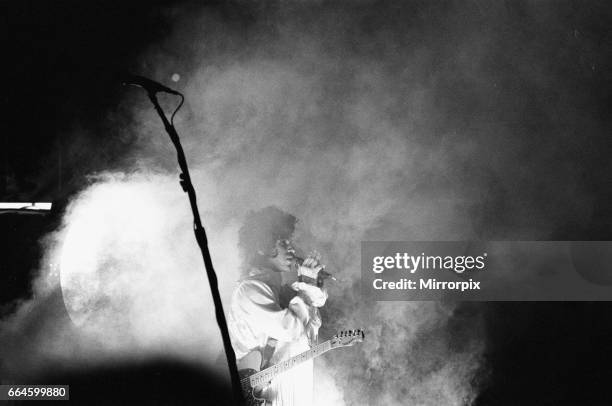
(346, 338)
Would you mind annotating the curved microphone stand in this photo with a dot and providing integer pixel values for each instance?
(200, 234)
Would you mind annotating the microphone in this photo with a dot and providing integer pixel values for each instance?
(321, 274)
(149, 85)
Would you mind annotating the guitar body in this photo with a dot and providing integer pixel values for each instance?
(251, 395)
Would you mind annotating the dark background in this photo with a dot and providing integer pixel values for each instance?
(60, 66)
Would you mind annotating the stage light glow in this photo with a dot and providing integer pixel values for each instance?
(111, 233)
(132, 275)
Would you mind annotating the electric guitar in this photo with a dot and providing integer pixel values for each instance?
(253, 383)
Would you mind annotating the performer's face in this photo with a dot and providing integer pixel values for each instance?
(284, 258)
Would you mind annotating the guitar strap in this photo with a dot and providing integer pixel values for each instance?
(268, 351)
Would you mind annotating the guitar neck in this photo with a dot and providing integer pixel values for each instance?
(266, 375)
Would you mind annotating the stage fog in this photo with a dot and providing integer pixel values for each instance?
(366, 123)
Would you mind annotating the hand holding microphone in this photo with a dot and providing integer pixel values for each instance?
(312, 268)
(311, 275)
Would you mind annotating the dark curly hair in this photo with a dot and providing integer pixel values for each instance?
(261, 230)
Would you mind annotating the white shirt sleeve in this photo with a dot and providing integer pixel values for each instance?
(255, 315)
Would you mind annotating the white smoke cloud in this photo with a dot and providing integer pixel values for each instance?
(269, 130)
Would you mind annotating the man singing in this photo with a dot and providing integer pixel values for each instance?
(267, 316)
